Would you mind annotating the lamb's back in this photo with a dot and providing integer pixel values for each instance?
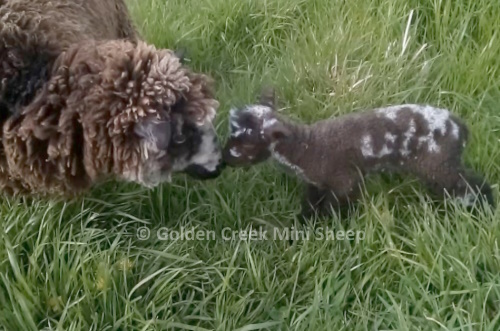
(391, 134)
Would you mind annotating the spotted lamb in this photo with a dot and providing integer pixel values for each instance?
(333, 156)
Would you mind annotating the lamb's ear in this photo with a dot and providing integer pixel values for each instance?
(276, 131)
(156, 132)
(268, 97)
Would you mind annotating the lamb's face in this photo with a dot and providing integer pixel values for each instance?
(248, 143)
(177, 145)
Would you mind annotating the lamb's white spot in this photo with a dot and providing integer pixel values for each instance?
(436, 118)
(455, 131)
(432, 145)
(234, 152)
(234, 124)
(240, 132)
(384, 151)
(285, 162)
(269, 122)
(392, 112)
(410, 133)
(258, 110)
(467, 200)
(367, 148)
(389, 137)
(237, 133)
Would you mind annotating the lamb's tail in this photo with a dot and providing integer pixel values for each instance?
(479, 187)
(462, 129)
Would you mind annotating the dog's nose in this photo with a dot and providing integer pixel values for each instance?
(221, 165)
(200, 172)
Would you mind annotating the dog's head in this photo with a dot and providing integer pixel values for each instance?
(171, 110)
(177, 144)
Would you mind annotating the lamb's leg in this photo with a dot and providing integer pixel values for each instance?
(453, 178)
(339, 202)
(345, 190)
(313, 197)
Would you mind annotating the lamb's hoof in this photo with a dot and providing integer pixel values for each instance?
(305, 215)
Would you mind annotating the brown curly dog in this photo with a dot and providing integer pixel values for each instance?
(83, 99)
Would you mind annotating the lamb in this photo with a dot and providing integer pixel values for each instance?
(333, 156)
(83, 99)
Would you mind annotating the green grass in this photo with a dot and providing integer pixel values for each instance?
(79, 265)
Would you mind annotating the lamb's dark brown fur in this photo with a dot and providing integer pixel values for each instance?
(83, 99)
(332, 156)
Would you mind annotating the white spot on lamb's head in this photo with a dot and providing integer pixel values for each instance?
(234, 152)
(258, 110)
(269, 122)
(234, 124)
(237, 133)
(246, 145)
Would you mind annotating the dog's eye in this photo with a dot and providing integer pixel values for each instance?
(179, 139)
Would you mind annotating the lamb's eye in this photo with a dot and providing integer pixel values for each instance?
(247, 146)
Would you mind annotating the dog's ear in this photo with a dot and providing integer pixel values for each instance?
(156, 132)
(268, 97)
(181, 53)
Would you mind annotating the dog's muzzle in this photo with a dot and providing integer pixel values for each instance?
(199, 172)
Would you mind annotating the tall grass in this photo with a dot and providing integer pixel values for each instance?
(423, 266)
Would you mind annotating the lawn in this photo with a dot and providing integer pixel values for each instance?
(422, 265)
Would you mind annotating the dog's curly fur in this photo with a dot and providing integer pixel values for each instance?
(34, 33)
(75, 81)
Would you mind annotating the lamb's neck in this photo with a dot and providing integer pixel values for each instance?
(292, 151)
